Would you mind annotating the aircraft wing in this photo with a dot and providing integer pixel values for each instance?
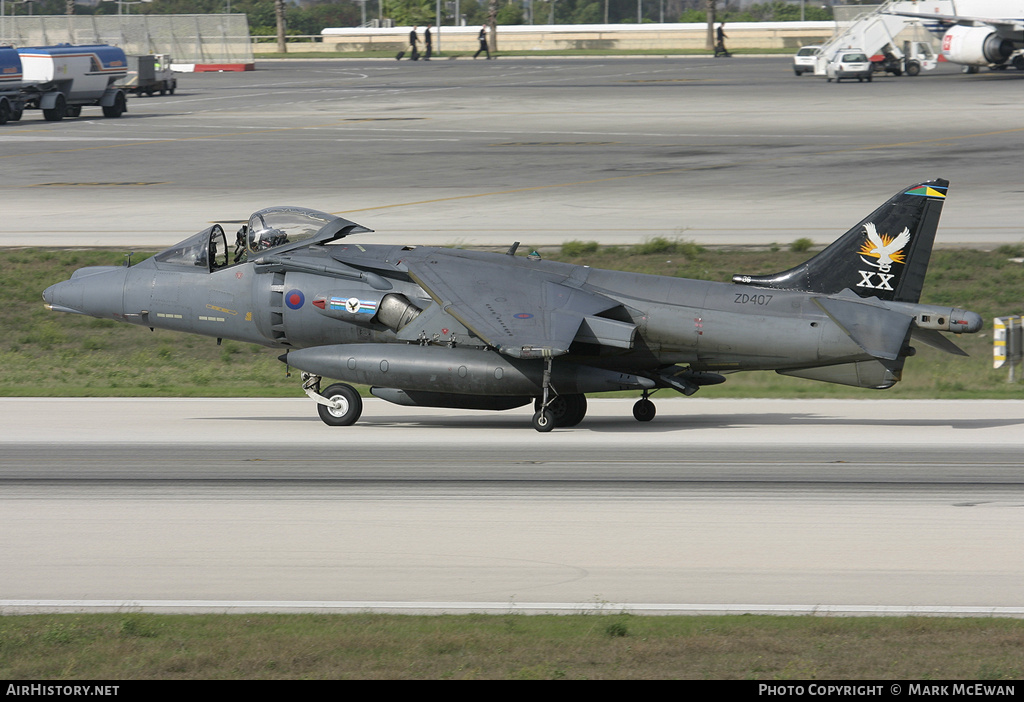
(1015, 23)
(521, 311)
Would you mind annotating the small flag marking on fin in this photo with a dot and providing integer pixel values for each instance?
(927, 191)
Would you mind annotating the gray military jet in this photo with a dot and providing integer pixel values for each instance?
(436, 327)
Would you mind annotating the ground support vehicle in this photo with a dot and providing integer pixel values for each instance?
(61, 79)
(149, 74)
(914, 57)
(11, 80)
(875, 32)
(849, 63)
(804, 60)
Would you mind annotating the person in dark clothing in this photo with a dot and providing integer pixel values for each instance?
(428, 44)
(482, 38)
(414, 45)
(720, 38)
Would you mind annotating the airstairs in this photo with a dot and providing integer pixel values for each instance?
(871, 31)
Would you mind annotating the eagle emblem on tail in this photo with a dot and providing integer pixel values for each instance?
(888, 250)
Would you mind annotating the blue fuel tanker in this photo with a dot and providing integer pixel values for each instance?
(61, 79)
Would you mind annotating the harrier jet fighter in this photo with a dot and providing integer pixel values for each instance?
(437, 327)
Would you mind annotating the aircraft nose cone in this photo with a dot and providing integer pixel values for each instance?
(63, 297)
(97, 291)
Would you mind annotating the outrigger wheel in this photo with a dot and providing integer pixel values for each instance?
(566, 410)
(644, 410)
(553, 410)
(349, 406)
(544, 420)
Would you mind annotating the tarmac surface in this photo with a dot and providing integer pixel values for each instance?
(615, 150)
(772, 506)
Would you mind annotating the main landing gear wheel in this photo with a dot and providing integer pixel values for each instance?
(644, 410)
(567, 410)
(350, 406)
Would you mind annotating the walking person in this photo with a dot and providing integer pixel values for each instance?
(482, 38)
(428, 44)
(720, 38)
(414, 45)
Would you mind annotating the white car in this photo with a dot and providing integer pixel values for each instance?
(849, 63)
(805, 58)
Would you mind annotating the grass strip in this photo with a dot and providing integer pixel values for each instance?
(139, 646)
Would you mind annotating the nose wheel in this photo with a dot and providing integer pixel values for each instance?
(338, 406)
(345, 408)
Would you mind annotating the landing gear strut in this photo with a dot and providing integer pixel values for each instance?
(544, 418)
(554, 410)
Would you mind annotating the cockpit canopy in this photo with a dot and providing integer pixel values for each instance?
(275, 226)
(267, 229)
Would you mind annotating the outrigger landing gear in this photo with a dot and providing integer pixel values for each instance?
(339, 405)
(544, 418)
(644, 410)
(567, 410)
(554, 410)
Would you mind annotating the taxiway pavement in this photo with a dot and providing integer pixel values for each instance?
(717, 505)
(539, 151)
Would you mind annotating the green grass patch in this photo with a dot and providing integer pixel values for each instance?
(44, 353)
(137, 646)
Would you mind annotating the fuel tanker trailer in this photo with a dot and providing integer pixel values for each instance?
(12, 80)
(61, 79)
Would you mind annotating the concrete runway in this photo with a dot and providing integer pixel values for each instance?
(736, 151)
(845, 507)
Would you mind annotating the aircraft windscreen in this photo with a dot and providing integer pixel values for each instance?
(275, 226)
(194, 251)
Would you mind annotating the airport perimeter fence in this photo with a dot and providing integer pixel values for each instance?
(189, 39)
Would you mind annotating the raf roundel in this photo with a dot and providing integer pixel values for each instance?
(294, 299)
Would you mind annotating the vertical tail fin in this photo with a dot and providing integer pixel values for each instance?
(884, 256)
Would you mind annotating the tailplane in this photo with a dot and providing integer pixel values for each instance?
(885, 256)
